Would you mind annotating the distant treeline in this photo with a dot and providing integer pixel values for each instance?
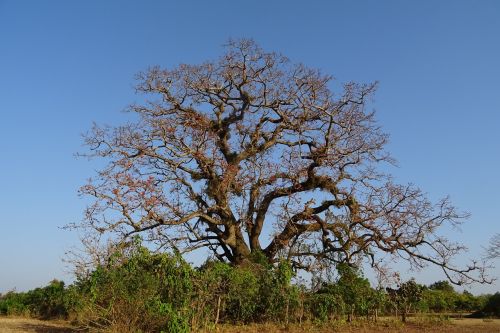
(142, 291)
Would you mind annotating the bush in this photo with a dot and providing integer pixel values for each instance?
(350, 295)
(14, 303)
(492, 307)
(254, 292)
(325, 302)
(140, 291)
(137, 291)
(48, 302)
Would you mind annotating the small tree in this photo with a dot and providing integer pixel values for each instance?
(355, 291)
(466, 302)
(443, 286)
(407, 297)
(378, 300)
(492, 307)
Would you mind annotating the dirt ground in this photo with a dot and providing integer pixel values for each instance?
(23, 325)
(453, 326)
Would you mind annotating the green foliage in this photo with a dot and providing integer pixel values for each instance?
(441, 297)
(14, 303)
(406, 298)
(253, 292)
(492, 306)
(444, 286)
(355, 290)
(154, 292)
(140, 291)
(242, 298)
(438, 300)
(350, 295)
(409, 292)
(326, 302)
(47, 302)
(278, 298)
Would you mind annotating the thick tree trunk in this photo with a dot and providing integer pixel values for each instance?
(241, 252)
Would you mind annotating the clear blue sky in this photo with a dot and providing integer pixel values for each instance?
(65, 64)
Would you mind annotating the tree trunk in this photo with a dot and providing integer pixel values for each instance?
(287, 309)
(218, 311)
(350, 316)
(404, 314)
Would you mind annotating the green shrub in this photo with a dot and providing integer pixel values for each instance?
(47, 302)
(254, 292)
(492, 306)
(137, 291)
(140, 291)
(14, 303)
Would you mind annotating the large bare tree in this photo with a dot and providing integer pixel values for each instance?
(251, 154)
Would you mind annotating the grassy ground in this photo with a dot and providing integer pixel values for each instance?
(23, 325)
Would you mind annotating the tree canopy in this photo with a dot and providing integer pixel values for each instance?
(251, 154)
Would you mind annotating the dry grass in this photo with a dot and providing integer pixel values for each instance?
(389, 326)
(25, 325)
